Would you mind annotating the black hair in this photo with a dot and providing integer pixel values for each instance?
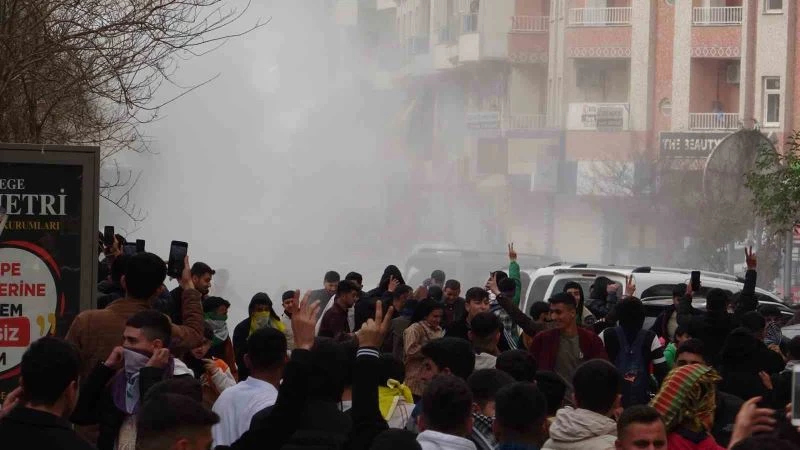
(48, 367)
(388, 273)
(631, 314)
(287, 295)
(753, 321)
(121, 239)
(425, 308)
(154, 324)
(539, 308)
(476, 293)
(212, 303)
(200, 268)
(395, 440)
(500, 276)
(519, 364)
(402, 290)
(438, 276)
(681, 330)
(793, 348)
(453, 285)
(187, 386)
(770, 311)
(521, 409)
(330, 362)
(693, 345)
(144, 275)
(485, 383)
(332, 277)
(485, 324)
(346, 287)
(554, 389)
(118, 268)
(168, 417)
(261, 298)
(761, 442)
(435, 293)
(354, 276)
(597, 384)
(266, 348)
(641, 414)
(507, 286)
(562, 298)
(599, 289)
(451, 353)
(447, 404)
(717, 300)
(390, 367)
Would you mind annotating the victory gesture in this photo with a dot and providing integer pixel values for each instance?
(512, 255)
(750, 258)
(372, 332)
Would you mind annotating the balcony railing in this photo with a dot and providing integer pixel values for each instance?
(530, 24)
(714, 121)
(520, 122)
(717, 15)
(598, 17)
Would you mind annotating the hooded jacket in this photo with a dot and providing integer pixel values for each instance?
(433, 440)
(364, 308)
(581, 429)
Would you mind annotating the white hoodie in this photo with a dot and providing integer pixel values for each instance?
(433, 440)
(581, 429)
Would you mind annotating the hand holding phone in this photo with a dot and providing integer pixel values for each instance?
(695, 280)
(177, 259)
(140, 246)
(108, 236)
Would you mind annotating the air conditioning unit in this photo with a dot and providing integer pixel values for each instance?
(732, 73)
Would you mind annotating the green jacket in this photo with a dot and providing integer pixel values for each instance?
(514, 274)
(670, 355)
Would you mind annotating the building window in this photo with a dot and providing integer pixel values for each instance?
(670, 2)
(773, 6)
(772, 101)
(665, 107)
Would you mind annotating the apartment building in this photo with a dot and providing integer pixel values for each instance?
(555, 110)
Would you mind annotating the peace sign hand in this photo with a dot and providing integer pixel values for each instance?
(373, 331)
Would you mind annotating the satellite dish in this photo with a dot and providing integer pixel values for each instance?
(727, 166)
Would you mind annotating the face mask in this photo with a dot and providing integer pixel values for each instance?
(134, 361)
(219, 324)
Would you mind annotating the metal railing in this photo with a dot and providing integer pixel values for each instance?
(593, 17)
(525, 122)
(717, 15)
(714, 121)
(530, 24)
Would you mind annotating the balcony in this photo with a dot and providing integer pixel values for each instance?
(600, 17)
(530, 24)
(713, 121)
(469, 23)
(524, 122)
(598, 117)
(717, 16)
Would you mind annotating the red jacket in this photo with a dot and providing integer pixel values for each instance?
(545, 347)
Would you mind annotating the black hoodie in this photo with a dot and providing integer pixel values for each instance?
(365, 307)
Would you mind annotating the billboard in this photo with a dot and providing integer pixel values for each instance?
(48, 245)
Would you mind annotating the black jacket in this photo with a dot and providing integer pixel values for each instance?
(240, 335)
(684, 317)
(25, 428)
(364, 308)
(727, 406)
(96, 405)
(459, 329)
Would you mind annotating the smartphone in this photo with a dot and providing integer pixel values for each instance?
(796, 396)
(108, 236)
(140, 246)
(695, 280)
(129, 249)
(177, 252)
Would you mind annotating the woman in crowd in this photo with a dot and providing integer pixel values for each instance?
(425, 327)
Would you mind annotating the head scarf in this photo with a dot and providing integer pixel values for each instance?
(688, 398)
(264, 319)
(125, 386)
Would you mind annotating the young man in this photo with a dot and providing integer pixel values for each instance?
(477, 302)
(174, 422)
(540, 312)
(446, 420)
(585, 317)
(715, 326)
(215, 311)
(589, 426)
(400, 297)
(335, 322)
(437, 279)
(289, 302)
(520, 417)
(261, 315)
(265, 358)
(640, 427)
(681, 336)
(454, 306)
(484, 334)
(113, 392)
(519, 364)
(97, 332)
(47, 396)
(329, 284)
(667, 322)
(110, 290)
(564, 348)
(484, 385)
(201, 278)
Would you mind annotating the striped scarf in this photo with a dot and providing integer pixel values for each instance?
(687, 398)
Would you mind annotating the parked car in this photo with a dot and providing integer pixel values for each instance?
(653, 306)
(650, 281)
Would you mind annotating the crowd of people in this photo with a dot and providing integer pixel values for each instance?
(404, 367)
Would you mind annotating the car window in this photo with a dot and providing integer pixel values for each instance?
(658, 290)
(586, 284)
(539, 288)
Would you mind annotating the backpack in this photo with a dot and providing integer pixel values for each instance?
(633, 368)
